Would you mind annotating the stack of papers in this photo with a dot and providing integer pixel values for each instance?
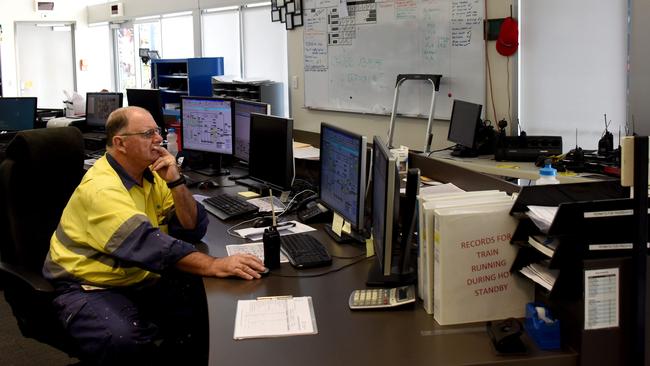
(542, 216)
(546, 245)
(256, 249)
(305, 151)
(541, 274)
(275, 317)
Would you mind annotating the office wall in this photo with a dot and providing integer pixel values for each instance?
(23, 10)
(409, 131)
(639, 75)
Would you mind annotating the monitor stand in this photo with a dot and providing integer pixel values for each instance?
(213, 167)
(344, 238)
(376, 278)
(464, 152)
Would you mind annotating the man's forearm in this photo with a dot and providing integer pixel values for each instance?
(185, 206)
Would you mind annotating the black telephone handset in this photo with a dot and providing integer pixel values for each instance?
(311, 211)
(505, 336)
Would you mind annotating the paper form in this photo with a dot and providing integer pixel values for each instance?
(601, 298)
(274, 317)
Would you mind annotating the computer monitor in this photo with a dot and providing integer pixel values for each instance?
(242, 110)
(17, 114)
(271, 151)
(343, 176)
(206, 126)
(150, 100)
(99, 106)
(388, 269)
(463, 128)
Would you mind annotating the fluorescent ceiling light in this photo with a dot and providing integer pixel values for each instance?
(257, 5)
(47, 25)
(179, 14)
(63, 28)
(225, 8)
(97, 24)
(150, 17)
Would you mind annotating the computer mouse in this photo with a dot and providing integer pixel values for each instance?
(265, 272)
(263, 221)
(208, 184)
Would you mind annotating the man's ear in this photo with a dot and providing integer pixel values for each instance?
(119, 144)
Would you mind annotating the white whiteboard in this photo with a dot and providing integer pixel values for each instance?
(353, 54)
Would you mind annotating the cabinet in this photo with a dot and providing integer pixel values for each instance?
(178, 77)
(593, 293)
(259, 91)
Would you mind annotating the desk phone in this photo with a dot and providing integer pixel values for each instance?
(377, 298)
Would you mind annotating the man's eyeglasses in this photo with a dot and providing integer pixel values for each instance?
(146, 134)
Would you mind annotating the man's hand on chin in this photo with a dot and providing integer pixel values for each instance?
(165, 165)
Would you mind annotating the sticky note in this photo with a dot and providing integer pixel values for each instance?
(370, 247)
(337, 224)
(346, 228)
(248, 194)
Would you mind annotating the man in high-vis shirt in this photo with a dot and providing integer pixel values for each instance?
(120, 257)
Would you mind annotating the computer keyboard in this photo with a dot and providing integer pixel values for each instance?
(304, 251)
(227, 206)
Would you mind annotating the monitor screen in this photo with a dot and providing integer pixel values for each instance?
(343, 172)
(99, 106)
(465, 120)
(271, 151)
(242, 110)
(148, 99)
(385, 204)
(206, 124)
(17, 114)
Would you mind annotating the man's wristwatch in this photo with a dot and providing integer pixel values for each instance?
(177, 182)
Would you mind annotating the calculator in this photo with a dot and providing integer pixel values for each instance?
(377, 298)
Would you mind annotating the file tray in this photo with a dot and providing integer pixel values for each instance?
(545, 335)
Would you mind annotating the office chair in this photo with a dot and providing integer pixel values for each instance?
(41, 170)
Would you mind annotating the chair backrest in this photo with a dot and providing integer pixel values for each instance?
(41, 170)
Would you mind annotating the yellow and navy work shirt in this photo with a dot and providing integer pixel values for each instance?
(114, 232)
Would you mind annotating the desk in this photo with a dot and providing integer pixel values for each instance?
(402, 336)
(522, 170)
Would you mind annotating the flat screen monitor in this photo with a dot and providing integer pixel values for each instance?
(463, 127)
(148, 99)
(271, 151)
(206, 126)
(385, 204)
(17, 114)
(242, 111)
(99, 106)
(343, 173)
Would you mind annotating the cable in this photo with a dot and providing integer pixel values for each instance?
(487, 62)
(509, 87)
(439, 150)
(324, 273)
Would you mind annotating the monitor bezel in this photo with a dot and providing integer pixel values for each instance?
(234, 113)
(35, 103)
(232, 132)
(102, 94)
(288, 164)
(358, 222)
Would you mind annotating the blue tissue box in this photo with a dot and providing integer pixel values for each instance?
(545, 335)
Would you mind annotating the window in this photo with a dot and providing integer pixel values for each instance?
(148, 36)
(572, 72)
(177, 36)
(221, 38)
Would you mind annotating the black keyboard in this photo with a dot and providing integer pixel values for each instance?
(227, 206)
(305, 251)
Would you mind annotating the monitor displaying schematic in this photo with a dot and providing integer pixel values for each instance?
(207, 124)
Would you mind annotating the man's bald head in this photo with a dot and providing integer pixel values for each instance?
(118, 121)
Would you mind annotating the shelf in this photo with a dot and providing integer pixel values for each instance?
(173, 91)
(173, 76)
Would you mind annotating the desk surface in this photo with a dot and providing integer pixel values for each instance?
(402, 336)
(522, 170)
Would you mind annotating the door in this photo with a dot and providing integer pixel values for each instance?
(45, 59)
